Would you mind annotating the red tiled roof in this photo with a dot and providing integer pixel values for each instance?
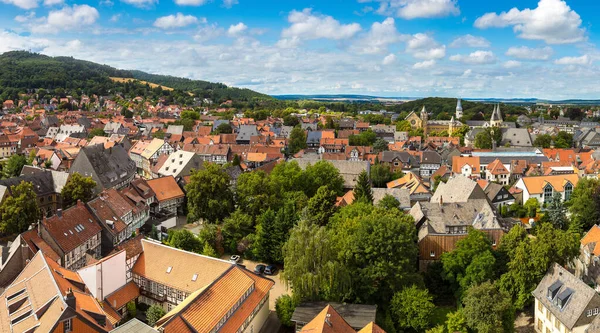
(63, 231)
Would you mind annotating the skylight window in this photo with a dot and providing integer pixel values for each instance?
(195, 277)
(169, 269)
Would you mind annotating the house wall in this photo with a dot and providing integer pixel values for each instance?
(19, 252)
(105, 277)
(545, 321)
(260, 318)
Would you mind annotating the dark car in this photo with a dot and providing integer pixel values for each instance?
(259, 269)
(271, 270)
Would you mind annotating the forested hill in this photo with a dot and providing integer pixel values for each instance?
(444, 108)
(21, 71)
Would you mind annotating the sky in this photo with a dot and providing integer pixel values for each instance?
(398, 48)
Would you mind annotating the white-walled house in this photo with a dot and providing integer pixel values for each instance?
(543, 187)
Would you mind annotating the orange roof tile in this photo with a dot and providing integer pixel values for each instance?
(459, 161)
(497, 168)
(535, 184)
(120, 297)
(327, 321)
(165, 188)
(592, 238)
(371, 328)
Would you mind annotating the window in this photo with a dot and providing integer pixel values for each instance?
(557, 324)
(68, 325)
(568, 191)
(432, 254)
(540, 308)
(547, 193)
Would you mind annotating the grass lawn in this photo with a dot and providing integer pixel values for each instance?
(439, 314)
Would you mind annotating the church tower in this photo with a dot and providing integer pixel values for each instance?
(496, 120)
(459, 109)
(451, 126)
(424, 117)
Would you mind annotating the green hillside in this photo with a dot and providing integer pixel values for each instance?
(22, 71)
(444, 108)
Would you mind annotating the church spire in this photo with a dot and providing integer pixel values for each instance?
(459, 109)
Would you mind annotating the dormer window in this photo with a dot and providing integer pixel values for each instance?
(563, 298)
(553, 289)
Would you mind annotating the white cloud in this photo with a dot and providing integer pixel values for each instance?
(524, 52)
(237, 29)
(289, 43)
(553, 21)
(423, 46)
(53, 2)
(470, 41)
(10, 41)
(25, 18)
(411, 9)
(511, 64)
(377, 40)
(175, 21)
(307, 26)
(25, 4)
(208, 32)
(475, 58)
(583, 60)
(66, 19)
(136, 3)
(424, 64)
(229, 3)
(389, 59)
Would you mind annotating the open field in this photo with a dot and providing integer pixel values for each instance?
(152, 85)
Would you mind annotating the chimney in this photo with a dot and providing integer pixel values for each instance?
(441, 200)
(79, 203)
(70, 298)
(327, 320)
(59, 213)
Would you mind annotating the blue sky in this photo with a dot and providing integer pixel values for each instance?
(410, 48)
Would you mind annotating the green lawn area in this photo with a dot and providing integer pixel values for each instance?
(439, 314)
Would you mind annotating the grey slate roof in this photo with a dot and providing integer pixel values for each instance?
(356, 315)
(313, 137)
(401, 194)
(349, 170)
(516, 137)
(583, 297)
(402, 156)
(218, 122)
(134, 326)
(458, 189)
(431, 157)
(44, 182)
(245, 132)
(109, 166)
(175, 129)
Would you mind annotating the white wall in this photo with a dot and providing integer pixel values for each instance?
(259, 319)
(106, 276)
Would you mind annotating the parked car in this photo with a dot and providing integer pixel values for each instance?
(235, 258)
(259, 269)
(271, 270)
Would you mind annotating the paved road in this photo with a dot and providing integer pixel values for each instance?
(277, 290)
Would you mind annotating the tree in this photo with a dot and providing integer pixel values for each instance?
(297, 140)
(208, 193)
(78, 187)
(235, 227)
(209, 251)
(532, 205)
(456, 322)
(471, 262)
(362, 190)
(254, 193)
(488, 310)
(264, 230)
(543, 140)
(154, 313)
(380, 175)
(366, 138)
(131, 309)
(388, 202)
(236, 160)
(154, 232)
(224, 128)
(160, 134)
(95, 132)
(380, 145)
(563, 140)
(484, 138)
(13, 166)
(312, 269)
(556, 212)
(185, 240)
(584, 204)
(31, 157)
(19, 210)
(403, 126)
(411, 308)
(320, 174)
(321, 206)
(284, 307)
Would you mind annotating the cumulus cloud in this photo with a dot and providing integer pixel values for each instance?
(424, 64)
(470, 41)
(229, 3)
(583, 60)
(307, 26)
(10, 41)
(389, 59)
(553, 21)
(524, 52)
(411, 9)
(237, 29)
(136, 3)
(208, 32)
(475, 58)
(66, 19)
(377, 40)
(53, 2)
(511, 64)
(423, 46)
(188, 2)
(175, 21)
(25, 4)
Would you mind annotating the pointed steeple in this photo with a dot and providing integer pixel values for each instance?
(493, 119)
(498, 113)
(459, 109)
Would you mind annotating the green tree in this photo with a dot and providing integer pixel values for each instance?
(362, 190)
(488, 310)
(321, 206)
(366, 138)
(380, 145)
(19, 210)
(456, 322)
(320, 174)
(532, 205)
(131, 309)
(236, 160)
(224, 128)
(297, 140)
(380, 175)
(154, 232)
(78, 187)
(209, 194)
(584, 203)
(209, 251)
(471, 262)
(13, 166)
(389, 202)
(160, 134)
(95, 132)
(154, 313)
(265, 229)
(185, 240)
(411, 308)
(235, 227)
(563, 140)
(31, 157)
(543, 140)
(284, 307)
(556, 212)
(254, 193)
(403, 126)
(485, 138)
(312, 269)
